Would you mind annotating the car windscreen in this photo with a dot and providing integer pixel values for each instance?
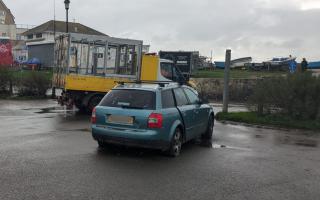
(130, 99)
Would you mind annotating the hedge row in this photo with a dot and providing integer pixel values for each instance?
(24, 83)
(294, 95)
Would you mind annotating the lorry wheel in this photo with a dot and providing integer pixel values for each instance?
(81, 108)
(176, 144)
(94, 101)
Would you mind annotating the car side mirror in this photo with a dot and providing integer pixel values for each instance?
(200, 102)
(203, 100)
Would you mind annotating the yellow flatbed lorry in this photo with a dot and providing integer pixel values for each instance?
(87, 67)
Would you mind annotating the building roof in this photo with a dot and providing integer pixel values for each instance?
(8, 12)
(61, 27)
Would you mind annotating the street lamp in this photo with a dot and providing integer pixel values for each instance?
(66, 4)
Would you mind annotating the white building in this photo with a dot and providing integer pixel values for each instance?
(7, 23)
(40, 39)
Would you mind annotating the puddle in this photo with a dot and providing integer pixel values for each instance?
(259, 136)
(307, 143)
(59, 111)
(218, 146)
(53, 110)
(221, 146)
(298, 141)
(80, 130)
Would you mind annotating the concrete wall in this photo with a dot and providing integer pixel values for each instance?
(8, 31)
(240, 89)
(6, 16)
(44, 52)
(46, 37)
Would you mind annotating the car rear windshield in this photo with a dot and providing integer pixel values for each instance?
(130, 99)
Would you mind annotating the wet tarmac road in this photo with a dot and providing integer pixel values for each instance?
(48, 153)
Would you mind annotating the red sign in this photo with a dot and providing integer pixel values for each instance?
(6, 58)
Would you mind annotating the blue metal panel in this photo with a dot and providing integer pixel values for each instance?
(314, 65)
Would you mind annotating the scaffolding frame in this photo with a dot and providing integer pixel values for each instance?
(95, 42)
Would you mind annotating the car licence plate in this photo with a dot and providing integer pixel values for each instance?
(120, 119)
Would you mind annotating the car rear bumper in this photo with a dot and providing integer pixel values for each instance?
(146, 140)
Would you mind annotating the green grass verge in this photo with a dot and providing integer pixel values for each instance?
(269, 120)
(235, 74)
(24, 98)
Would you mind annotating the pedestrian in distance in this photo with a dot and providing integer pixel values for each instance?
(292, 65)
(304, 65)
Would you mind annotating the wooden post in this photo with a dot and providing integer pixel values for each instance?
(53, 96)
(226, 81)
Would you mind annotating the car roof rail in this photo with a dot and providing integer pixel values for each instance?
(160, 83)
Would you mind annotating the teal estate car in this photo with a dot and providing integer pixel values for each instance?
(152, 115)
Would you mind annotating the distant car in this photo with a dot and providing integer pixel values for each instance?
(157, 116)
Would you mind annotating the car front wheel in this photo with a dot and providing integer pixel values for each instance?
(102, 144)
(207, 136)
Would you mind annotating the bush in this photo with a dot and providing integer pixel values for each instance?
(33, 84)
(212, 89)
(296, 95)
(6, 80)
(276, 120)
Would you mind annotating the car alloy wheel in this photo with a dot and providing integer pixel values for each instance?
(176, 144)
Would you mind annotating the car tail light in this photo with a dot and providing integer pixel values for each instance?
(155, 120)
(93, 116)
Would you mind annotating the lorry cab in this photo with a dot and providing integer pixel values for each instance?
(157, 69)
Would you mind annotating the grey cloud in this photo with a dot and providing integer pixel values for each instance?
(258, 28)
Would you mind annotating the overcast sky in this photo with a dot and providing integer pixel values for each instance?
(258, 28)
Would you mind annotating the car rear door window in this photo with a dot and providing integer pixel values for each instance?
(180, 97)
(193, 98)
(167, 99)
(131, 99)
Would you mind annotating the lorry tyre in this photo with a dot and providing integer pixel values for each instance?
(93, 102)
(79, 105)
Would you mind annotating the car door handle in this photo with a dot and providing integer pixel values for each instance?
(196, 111)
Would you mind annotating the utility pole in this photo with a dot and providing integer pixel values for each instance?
(67, 4)
(226, 81)
(54, 18)
(53, 95)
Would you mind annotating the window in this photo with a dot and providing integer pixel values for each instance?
(166, 70)
(30, 36)
(180, 97)
(167, 99)
(2, 13)
(134, 99)
(4, 34)
(2, 21)
(39, 35)
(193, 98)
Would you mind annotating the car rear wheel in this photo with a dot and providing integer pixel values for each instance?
(176, 144)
